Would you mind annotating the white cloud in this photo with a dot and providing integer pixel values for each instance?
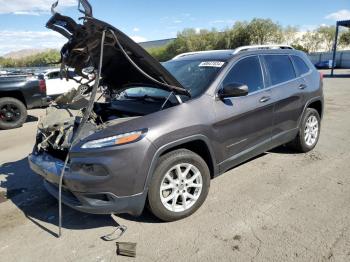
(26, 13)
(31, 7)
(138, 38)
(136, 29)
(17, 40)
(178, 21)
(305, 28)
(343, 14)
(217, 22)
(228, 22)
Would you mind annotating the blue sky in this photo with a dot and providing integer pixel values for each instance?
(22, 21)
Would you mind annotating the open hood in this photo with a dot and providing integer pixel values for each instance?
(84, 47)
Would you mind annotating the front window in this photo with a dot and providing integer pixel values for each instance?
(194, 75)
(247, 72)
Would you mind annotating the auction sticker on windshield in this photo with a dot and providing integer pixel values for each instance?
(211, 64)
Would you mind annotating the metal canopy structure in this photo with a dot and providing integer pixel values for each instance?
(345, 23)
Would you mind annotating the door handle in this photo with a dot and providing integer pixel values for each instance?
(264, 99)
(302, 86)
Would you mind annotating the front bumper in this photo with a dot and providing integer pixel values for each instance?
(92, 202)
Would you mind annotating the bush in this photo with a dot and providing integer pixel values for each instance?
(258, 31)
(41, 59)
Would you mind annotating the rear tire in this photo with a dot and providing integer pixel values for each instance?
(13, 113)
(183, 177)
(309, 132)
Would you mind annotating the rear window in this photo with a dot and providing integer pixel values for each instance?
(280, 68)
(300, 65)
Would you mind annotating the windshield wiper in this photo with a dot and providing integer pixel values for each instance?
(145, 97)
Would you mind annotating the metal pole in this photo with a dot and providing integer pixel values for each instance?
(335, 48)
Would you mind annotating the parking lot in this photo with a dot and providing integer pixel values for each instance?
(280, 206)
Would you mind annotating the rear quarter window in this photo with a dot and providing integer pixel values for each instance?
(300, 66)
(280, 68)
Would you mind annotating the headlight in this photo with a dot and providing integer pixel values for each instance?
(115, 140)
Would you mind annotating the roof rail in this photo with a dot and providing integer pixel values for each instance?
(260, 47)
(197, 52)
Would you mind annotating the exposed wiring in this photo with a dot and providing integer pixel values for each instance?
(166, 100)
(81, 125)
(140, 70)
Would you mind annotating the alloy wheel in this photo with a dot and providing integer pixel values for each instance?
(181, 187)
(311, 130)
(9, 113)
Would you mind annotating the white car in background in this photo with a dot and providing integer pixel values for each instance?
(56, 86)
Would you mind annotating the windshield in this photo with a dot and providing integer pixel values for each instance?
(194, 75)
(145, 91)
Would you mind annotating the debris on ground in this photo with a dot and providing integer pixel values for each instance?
(126, 249)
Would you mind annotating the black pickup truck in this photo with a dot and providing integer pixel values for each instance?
(17, 94)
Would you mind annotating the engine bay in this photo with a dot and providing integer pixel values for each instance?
(58, 127)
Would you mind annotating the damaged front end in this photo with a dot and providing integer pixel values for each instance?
(109, 60)
(57, 128)
(68, 153)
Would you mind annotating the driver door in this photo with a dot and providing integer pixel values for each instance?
(244, 124)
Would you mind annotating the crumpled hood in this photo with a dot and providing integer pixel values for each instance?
(83, 50)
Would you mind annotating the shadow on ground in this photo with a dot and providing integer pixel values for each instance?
(25, 189)
(31, 119)
(283, 150)
(336, 76)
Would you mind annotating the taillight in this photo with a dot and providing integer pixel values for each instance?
(321, 76)
(42, 86)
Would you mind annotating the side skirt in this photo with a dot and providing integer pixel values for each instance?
(258, 149)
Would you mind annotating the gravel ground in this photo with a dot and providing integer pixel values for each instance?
(280, 206)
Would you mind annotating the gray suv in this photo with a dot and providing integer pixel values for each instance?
(168, 129)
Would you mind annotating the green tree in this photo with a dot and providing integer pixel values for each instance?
(344, 39)
(41, 59)
(290, 35)
(237, 36)
(311, 41)
(327, 34)
(299, 47)
(265, 31)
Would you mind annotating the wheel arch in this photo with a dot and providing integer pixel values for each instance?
(316, 103)
(14, 94)
(318, 106)
(198, 144)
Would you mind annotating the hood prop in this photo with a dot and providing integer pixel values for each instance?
(80, 127)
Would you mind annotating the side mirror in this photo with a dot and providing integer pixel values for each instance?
(233, 90)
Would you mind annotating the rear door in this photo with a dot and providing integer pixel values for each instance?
(287, 91)
(243, 124)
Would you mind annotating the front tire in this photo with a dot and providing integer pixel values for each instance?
(309, 132)
(179, 186)
(13, 113)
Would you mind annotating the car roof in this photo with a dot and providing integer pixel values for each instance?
(226, 55)
(221, 55)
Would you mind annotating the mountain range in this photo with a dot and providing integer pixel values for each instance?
(25, 53)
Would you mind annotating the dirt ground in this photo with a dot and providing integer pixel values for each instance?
(280, 206)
